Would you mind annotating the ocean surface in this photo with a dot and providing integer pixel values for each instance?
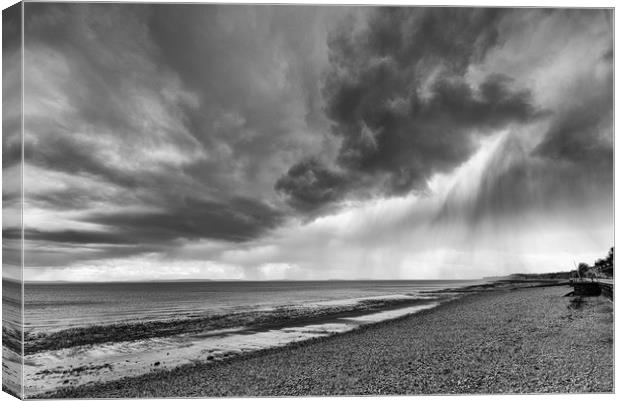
(56, 306)
(220, 319)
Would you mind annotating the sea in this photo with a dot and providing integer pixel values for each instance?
(220, 320)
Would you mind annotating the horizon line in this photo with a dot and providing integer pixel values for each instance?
(258, 280)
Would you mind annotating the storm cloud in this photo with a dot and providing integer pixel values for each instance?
(310, 183)
(112, 121)
(400, 101)
(247, 141)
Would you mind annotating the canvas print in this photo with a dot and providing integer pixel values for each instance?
(209, 200)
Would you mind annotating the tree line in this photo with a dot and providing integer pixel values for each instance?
(603, 267)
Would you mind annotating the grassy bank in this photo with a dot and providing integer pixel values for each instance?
(522, 340)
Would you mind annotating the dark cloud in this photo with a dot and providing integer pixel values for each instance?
(432, 135)
(401, 104)
(11, 233)
(256, 71)
(454, 37)
(310, 184)
(78, 237)
(236, 220)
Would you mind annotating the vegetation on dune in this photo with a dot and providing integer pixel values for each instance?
(540, 276)
(602, 268)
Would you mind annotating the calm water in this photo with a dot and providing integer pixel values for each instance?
(61, 305)
(11, 304)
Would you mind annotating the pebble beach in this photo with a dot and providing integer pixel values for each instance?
(498, 340)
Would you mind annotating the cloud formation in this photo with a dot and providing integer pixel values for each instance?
(111, 120)
(11, 140)
(400, 101)
(310, 183)
(311, 142)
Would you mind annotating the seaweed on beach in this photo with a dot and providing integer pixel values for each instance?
(12, 339)
(257, 320)
(506, 284)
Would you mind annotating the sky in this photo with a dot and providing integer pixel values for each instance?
(308, 142)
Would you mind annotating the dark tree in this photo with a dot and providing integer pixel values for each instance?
(583, 269)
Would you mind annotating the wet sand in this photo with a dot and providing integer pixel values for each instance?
(500, 340)
(57, 367)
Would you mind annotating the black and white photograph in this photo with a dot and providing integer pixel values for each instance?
(206, 200)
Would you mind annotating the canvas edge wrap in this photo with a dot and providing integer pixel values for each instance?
(12, 200)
